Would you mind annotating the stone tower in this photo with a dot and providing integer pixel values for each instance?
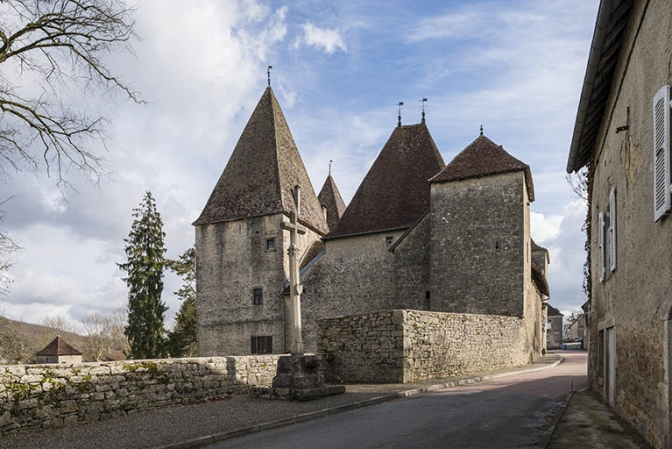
(480, 256)
(241, 249)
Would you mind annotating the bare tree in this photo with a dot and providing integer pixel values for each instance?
(59, 322)
(15, 343)
(119, 339)
(49, 48)
(97, 326)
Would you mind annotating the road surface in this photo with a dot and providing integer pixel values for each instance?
(504, 413)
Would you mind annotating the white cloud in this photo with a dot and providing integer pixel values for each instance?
(327, 39)
(461, 24)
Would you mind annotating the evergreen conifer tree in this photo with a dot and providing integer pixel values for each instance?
(145, 263)
(182, 340)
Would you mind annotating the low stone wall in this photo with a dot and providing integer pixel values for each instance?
(411, 345)
(49, 396)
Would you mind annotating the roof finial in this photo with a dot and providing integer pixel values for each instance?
(330, 161)
(424, 101)
(268, 73)
(481, 130)
(401, 103)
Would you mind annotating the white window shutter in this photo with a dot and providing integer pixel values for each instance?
(612, 229)
(601, 226)
(661, 153)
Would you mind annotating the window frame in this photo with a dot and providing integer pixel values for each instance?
(258, 297)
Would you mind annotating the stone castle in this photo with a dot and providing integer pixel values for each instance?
(418, 235)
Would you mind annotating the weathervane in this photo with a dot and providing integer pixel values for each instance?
(330, 161)
(268, 73)
(401, 103)
(481, 130)
(424, 101)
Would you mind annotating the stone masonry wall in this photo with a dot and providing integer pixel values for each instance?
(410, 345)
(50, 396)
(479, 233)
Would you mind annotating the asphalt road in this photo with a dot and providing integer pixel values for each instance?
(503, 413)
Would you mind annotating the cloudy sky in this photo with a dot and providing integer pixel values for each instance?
(340, 68)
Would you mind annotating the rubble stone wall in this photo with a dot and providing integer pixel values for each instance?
(411, 345)
(51, 396)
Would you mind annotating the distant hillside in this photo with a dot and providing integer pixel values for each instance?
(19, 340)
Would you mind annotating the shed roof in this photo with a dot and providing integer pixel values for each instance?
(331, 198)
(605, 51)
(58, 346)
(262, 172)
(481, 158)
(395, 191)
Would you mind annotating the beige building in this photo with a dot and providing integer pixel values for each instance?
(418, 234)
(622, 136)
(553, 328)
(58, 351)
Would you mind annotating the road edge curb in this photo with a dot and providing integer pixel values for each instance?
(546, 436)
(217, 437)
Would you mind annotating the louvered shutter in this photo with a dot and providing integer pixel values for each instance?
(661, 152)
(612, 229)
(601, 226)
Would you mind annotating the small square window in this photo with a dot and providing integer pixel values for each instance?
(258, 298)
(389, 241)
(270, 244)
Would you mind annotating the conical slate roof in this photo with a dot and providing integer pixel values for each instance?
(330, 198)
(480, 158)
(58, 346)
(263, 169)
(395, 191)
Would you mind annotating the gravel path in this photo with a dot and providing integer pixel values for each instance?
(161, 427)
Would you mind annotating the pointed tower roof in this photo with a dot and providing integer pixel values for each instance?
(480, 158)
(330, 198)
(395, 191)
(58, 346)
(263, 169)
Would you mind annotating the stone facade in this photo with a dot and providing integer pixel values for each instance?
(479, 251)
(554, 332)
(61, 359)
(629, 325)
(233, 261)
(34, 396)
(412, 345)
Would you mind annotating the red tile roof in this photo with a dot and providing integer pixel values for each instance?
(261, 173)
(58, 346)
(395, 191)
(331, 198)
(480, 158)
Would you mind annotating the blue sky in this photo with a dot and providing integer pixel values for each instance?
(340, 68)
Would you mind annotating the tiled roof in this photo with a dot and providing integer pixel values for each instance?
(331, 198)
(536, 247)
(315, 248)
(262, 171)
(58, 346)
(540, 280)
(395, 191)
(480, 158)
(552, 311)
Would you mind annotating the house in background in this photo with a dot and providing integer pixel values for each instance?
(553, 328)
(58, 351)
(577, 330)
(622, 137)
